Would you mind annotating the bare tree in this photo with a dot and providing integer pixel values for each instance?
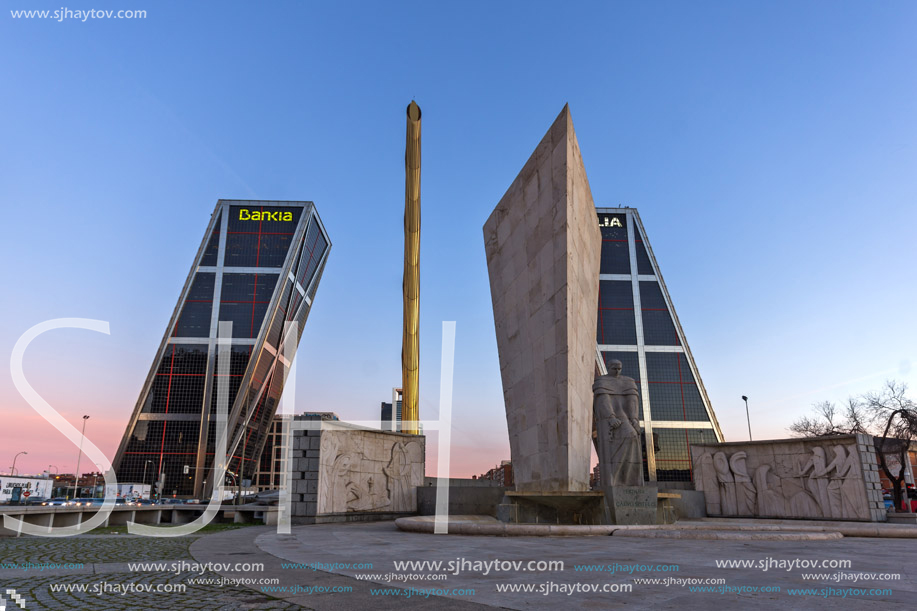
(891, 407)
(888, 415)
(825, 420)
(856, 416)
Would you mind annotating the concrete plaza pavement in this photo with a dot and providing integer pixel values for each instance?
(381, 544)
(88, 565)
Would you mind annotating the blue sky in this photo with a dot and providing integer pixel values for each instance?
(769, 147)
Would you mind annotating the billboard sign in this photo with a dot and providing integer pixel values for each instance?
(15, 488)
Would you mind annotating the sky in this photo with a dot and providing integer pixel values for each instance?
(769, 148)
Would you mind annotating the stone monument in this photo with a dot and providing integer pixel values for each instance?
(618, 444)
(543, 249)
(341, 472)
(820, 478)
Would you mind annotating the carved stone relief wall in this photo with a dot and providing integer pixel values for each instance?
(828, 478)
(369, 471)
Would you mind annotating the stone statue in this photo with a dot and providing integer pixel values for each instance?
(399, 477)
(818, 480)
(746, 495)
(727, 484)
(615, 407)
(848, 470)
(770, 501)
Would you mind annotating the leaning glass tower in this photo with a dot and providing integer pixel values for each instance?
(637, 325)
(258, 266)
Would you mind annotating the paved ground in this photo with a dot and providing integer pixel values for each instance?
(105, 573)
(381, 543)
(314, 589)
(90, 549)
(105, 559)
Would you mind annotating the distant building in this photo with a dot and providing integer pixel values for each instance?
(269, 472)
(502, 474)
(637, 325)
(258, 266)
(390, 413)
(88, 484)
(894, 465)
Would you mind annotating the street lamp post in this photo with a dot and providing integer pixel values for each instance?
(76, 476)
(236, 483)
(143, 482)
(56, 474)
(747, 418)
(13, 468)
(242, 468)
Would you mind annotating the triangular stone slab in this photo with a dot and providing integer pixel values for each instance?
(543, 252)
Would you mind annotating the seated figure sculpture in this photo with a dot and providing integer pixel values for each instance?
(615, 408)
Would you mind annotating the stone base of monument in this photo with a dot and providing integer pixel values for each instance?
(584, 508)
(614, 505)
(902, 518)
(332, 518)
(463, 499)
(630, 505)
(689, 504)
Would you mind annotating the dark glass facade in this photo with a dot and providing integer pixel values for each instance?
(637, 325)
(269, 473)
(258, 267)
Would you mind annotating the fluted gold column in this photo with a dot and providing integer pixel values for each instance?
(410, 345)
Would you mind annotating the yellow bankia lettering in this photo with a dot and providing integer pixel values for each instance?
(255, 215)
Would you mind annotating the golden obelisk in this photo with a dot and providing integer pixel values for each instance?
(410, 345)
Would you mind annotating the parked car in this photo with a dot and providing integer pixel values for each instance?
(889, 499)
(909, 503)
(99, 502)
